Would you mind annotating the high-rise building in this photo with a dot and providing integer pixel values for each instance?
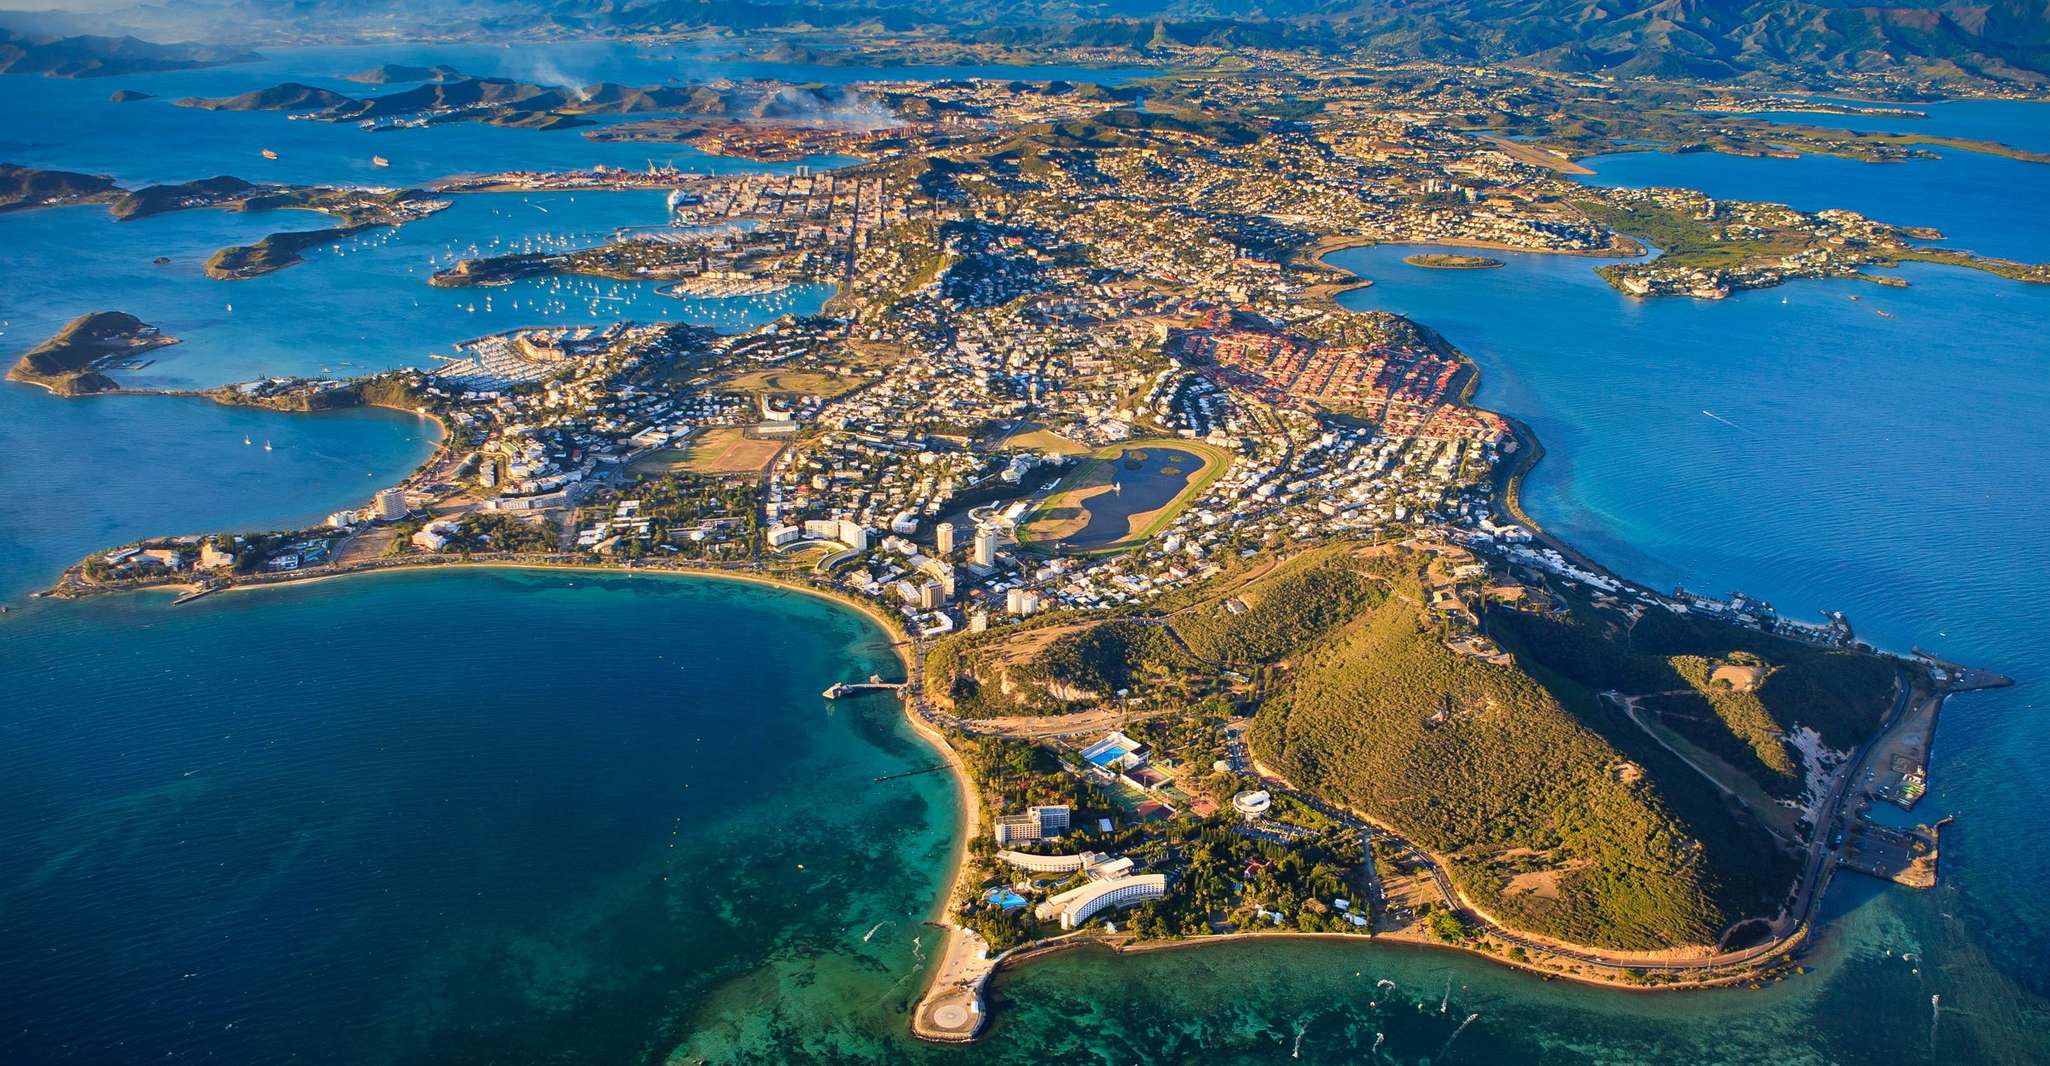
(391, 505)
(985, 547)
(943, 540)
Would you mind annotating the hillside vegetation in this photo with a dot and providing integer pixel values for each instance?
(1692, 674)
(1283, 611)
(1546, 825)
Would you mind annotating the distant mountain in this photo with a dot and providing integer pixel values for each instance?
(100, 57)
(505, 102)
(1788, 41)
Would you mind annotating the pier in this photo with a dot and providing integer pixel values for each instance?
(911, 773)
(875, 683)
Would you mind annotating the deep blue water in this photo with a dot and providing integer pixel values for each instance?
(351, 308)
(2018, 123)
(98, 472)
(493, 816)
(429, 817)
(1818, 455)
(1982, 203)
(70, 124)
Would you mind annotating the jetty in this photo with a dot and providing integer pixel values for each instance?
(875, 683)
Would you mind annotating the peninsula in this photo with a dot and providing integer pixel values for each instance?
(73, 362)
(1217, 594)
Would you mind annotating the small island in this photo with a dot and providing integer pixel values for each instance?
(23, 187)
(1446, 261)
(129, 96)
(71, 363)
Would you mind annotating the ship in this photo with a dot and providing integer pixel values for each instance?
(268, 154)
(379, 161)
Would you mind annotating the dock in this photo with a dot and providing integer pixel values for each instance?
(875, 683)
(911, 773)
(1903, 856)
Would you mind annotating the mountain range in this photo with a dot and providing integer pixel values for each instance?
(1785, 41)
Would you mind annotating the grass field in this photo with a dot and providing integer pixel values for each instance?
(1096, 508)
(723, 450)
(797, 382)
(1046, 440)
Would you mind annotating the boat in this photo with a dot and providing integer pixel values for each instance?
(266, 446)
(246, 442)
(268, 154)
(379, 161)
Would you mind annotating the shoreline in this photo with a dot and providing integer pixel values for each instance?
(952, 1007)
(967, 800)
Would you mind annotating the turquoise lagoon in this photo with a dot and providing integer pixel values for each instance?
(504, 816)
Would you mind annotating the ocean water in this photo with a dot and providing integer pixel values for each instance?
(2017, 123)
(354, 307)
(90, 474)
(499, 816)
(1982, 203)
(494, 816)
(97, 472)
(69, 124)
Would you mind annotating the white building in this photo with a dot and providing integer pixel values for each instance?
(1076, 905)
(391, 505)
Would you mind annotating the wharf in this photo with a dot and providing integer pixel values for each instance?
(855, 688)
(1903, 856)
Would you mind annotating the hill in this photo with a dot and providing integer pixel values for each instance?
(153, 199)
(68, 364)
(27, 187)
(1544, 820)
(289, 96)
(88, 56)
(389, 73)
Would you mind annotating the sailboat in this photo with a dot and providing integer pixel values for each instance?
(266, 445)
(245, 440)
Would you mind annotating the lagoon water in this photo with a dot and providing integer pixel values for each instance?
(98, 472)
(71, 125)
(1982, 203)
(428, 817)
(494, 816)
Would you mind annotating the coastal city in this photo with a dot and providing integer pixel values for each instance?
(1216, 598)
